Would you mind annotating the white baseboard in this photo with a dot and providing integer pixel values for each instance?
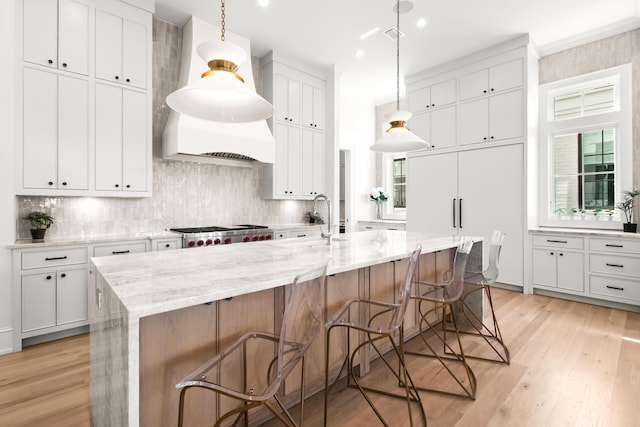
(6, 340)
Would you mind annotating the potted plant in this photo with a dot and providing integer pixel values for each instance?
(379, 196)
(40, 221)
(313, 218)
(627, 206)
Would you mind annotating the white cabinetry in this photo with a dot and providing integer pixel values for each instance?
(614, 269)
(434, 112)
(558, 262)
(122, 148)
(56, 133)
(120, 248)
(494, 118)
(464, 193)
(381, 225)
(298, 127)
(166, 244)
(121, 50)
(494, 79)
(56, 34)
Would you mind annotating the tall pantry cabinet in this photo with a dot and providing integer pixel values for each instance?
(473, 178)
(86, 99)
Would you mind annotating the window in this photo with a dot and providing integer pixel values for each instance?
(394, 180)
(400, 183)
(585, 148)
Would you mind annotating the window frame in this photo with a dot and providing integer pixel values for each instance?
(620, 120)
(389, 211)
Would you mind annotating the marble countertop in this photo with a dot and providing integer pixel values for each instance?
(585, 232)
(90, 240)
(156, 282)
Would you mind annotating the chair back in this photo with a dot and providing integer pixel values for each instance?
(455, 287)
(302, 319)
(491, 273)
(405, 290)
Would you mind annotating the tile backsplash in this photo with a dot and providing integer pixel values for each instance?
(185, 194)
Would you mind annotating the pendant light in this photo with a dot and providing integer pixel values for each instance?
(220, 95)
(398, 138)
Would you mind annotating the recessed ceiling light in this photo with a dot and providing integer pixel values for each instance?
(359, 53)
(369, 33)
(263, 3)
(421, 23)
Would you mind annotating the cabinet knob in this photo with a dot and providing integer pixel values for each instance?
(63, 275)
(491, 89)
(128, 186)
(428, 106)
(551, 253)
(491, 137)
(484, 91)
(50, 61)
(117, 185)
(286, 119)
(290, 120)
(48, 277)
(50, 182)
(64, 65)
(117, 77)
(485, 138)
(128, 80)
(64, 183)
(168, 245)
(433, 105)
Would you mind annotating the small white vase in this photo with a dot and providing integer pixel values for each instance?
(378, 210)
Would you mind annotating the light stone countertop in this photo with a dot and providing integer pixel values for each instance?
(585, 232)
(91, 240)
(156, 282)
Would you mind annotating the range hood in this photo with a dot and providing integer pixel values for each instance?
(188, 138)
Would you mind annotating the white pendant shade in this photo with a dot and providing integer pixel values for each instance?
(398, 138)
(220, 96)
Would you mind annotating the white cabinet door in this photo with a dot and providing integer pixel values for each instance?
(108, 150)
(420, 125)
(544, 267)
(432, 188)
(73, 37)
(134, 54)
(38, 301)
(135, 145)
(491, 188)
(287, 172)
(506, 76)
(312, 107)
(40, 129)
(287, 99)
(443, 128)
(108, 46)
(571, 271)
(474, 84)
(313, 163)
(40, 31)
(474, 121)
(73, 133)
(443, 93)
(71, 295)
(419, 99)
(506, 116)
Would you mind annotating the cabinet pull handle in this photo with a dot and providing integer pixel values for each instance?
(551, 253)
(561, 254)
(460, 213)
(614, 246)
(120, 252)
(615, 265)
(168, 245)
(55, 258)
(99, 298)
(302, 235)
(63, 275)
(48, 277)
(453, 213)
(617, 288)
(557, 241)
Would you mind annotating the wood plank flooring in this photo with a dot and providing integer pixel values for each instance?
(573, 364)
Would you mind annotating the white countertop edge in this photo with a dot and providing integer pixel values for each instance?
(90, 240)
(585, 232)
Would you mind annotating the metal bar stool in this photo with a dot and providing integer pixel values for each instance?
(441, 297)
(379, 321)
(478, 281)
(252, 383)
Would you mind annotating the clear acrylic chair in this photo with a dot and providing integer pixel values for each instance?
(378, 321)
(243, 373)
(435, 298)
(479, 281)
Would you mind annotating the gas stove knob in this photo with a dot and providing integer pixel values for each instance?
(246, 239)
(209, 241)
(268, 237)
(191, 243)
(227, 240)
(200, 242)
(256, 237)
(216, 242)
(262, 237)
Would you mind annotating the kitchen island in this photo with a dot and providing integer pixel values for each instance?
(156, 316)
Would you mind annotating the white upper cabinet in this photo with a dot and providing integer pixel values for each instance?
(56, 34)
(121, 50)
(501, 77)
(313, 162)
(312, 106)
(494, 118)
(287, 98)
(288, 152)
(434, 112)
(421, 97)
(56, 132)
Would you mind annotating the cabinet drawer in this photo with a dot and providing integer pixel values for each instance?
(615, 245)
(300, 233)
(615, 264)
(52, 258)
(615, 287)
(569, 242)
(123, 248)
(166, 245)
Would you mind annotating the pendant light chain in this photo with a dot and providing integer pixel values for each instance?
(222, 19)
(398, 55)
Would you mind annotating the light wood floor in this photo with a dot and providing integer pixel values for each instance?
(573, 364)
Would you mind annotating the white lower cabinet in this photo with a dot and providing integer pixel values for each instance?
(606, 268)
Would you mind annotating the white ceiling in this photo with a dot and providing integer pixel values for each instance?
(327, 32)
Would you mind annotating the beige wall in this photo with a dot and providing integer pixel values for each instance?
(599, 55)
(184, 193)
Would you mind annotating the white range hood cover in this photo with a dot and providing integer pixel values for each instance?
(188, 138)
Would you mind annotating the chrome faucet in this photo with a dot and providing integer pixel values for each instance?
(326, 235)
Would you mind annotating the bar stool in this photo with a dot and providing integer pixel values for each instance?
(378, 321)
(441, 297)
(478, 281)
(237, 371)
